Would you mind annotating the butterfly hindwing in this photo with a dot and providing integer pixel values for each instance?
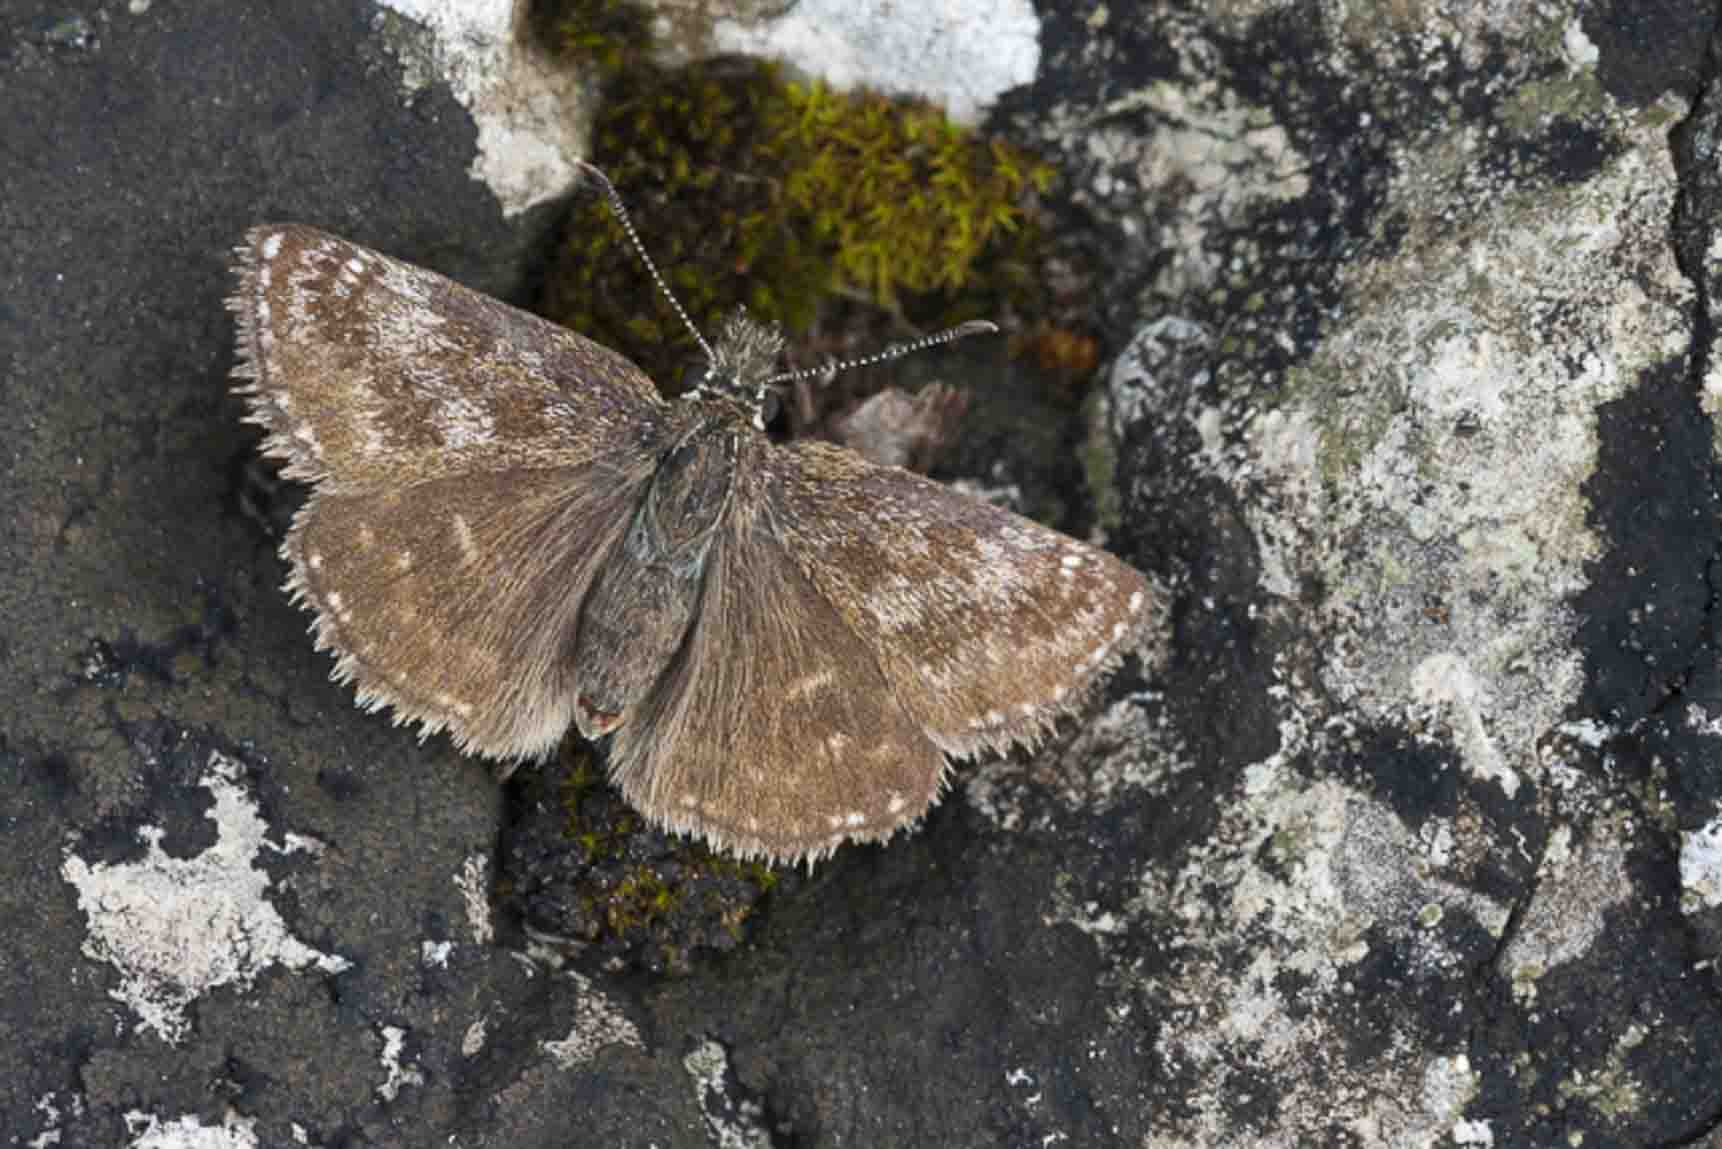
(988, 626)
(773, 733)
(455, 600)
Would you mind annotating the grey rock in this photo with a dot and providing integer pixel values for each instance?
(1409, 841)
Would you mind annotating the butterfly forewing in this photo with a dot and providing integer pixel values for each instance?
(372, 373)
(774, 732)
(988, 626)
(473, 465)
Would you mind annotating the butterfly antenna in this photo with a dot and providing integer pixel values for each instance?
(620, 210)
(894, 351)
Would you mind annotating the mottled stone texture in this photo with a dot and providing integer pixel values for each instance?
(1414, 840)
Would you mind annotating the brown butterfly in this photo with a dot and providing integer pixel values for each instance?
(511, 532)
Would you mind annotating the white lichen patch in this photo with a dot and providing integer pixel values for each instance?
(1425, 467)
(732, 1123)
(473, 882)
(1270, 924)
(1577, 885)
(397, 1073)
(1473, 1133)
(1391, 37)
(959, 54)
(1701, 867)
(175, 928)
(1354, 867)
(1711, 397)
(188, 1132)
(525, 108)
(1124, 753)
(472, 1041)
(1203, 155)
(1450, 527)
(49, 1131)
(598, 1022)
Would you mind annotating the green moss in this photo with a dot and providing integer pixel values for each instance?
(755, 190)
(608, 35)
(582, 864)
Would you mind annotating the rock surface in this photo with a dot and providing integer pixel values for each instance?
(1413, 840)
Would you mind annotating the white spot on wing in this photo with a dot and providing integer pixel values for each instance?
(464, 423)
(804, 686)
(463, 539)
(272, 246)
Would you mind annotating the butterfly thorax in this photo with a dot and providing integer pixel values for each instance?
(647, 591)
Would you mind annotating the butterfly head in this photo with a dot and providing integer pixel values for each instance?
(742, 362)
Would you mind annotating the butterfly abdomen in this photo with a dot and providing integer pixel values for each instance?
(648, 590)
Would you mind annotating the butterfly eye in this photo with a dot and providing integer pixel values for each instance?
(692, 376)
(770, 407)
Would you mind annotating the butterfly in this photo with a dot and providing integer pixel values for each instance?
(511, 533)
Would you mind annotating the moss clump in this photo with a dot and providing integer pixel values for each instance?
(581, 865)
(608, 35)
(898, 197)
(754, 190)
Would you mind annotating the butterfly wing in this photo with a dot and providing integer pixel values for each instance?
(986, 625)
(774, 733)
(455, 601)
(472, 466)
(370, 373)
